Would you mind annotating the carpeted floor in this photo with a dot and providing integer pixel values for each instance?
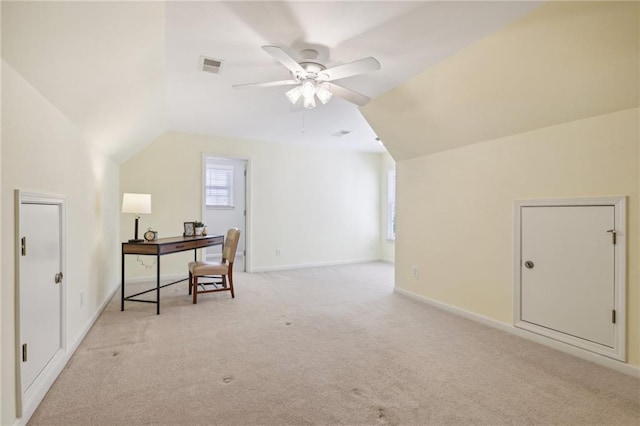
(322, 346)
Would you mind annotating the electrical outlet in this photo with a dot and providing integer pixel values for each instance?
(415, 272)
(277, 252)
(81, 299)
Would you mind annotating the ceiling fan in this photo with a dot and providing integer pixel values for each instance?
(312, 79)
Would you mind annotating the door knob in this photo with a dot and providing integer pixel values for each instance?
(529, 264)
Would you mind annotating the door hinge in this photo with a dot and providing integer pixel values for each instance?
(613, 235)
(23, 246)
(24, 352)
(245, 213)
(613, 316)
(245, 173)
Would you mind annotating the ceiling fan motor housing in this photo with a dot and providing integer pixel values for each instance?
(312, 71)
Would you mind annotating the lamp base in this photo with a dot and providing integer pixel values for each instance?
(136, 241)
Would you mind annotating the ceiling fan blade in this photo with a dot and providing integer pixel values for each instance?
(348, 94)
(351, 68)
(284, 58)
(267, 84)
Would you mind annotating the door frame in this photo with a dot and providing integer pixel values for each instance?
(26, 402)
(247, 200)
(618, 351)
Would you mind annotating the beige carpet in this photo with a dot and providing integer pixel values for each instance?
(322, 346)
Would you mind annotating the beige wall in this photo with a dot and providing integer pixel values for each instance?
(318, 206)
(455, 209)
(387, 247)
(545, 108)
(42, 151)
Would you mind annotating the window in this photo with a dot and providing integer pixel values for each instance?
(391, 205)
(219, 186)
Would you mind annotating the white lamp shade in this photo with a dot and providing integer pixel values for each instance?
(136, 203)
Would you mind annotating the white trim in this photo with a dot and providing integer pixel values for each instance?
(313, 265)
(169, 278)
(619, 366)
(59, 362)
(619, 351)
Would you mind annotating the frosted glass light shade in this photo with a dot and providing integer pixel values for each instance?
(308, 89)
(294, 94)
(309, 103)
(136, 203)
(323, 94)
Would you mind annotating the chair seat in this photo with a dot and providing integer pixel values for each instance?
(208, 268)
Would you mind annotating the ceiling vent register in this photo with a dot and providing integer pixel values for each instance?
(341, 133)
(210, 65)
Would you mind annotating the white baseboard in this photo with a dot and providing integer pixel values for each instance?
(58, 363)
(622, 367)
(167, 278)
(312, 265)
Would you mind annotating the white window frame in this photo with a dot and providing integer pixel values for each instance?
(391, 205)
(228, 170)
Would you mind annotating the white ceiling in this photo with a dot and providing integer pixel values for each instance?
(127, 72)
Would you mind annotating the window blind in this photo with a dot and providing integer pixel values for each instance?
(219, 186)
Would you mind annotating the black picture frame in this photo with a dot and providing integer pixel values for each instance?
(189, 229)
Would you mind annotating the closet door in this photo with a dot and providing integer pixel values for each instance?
(568, 267)
(40, 288)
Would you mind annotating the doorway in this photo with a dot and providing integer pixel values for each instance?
(224, 203)
(40, 291)
(570, 269)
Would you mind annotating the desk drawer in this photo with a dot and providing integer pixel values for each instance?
(139, 249)
(210, 242)
(175, 247)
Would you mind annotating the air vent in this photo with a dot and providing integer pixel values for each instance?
(210, 65)
(341, 133)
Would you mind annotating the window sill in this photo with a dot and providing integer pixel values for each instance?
(221, 207)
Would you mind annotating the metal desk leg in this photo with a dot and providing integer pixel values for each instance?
(158, 284)
(122, 284)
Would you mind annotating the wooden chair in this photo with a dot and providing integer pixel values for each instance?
(222, 269)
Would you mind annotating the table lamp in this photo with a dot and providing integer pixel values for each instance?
(137, 204)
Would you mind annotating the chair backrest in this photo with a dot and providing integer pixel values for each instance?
(231, 244)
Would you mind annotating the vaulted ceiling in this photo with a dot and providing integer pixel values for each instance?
(126, 72)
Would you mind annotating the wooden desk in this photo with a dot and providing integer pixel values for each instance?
(158, 248)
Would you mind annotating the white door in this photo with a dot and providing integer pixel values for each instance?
(570, 272)
(219, 218)
(39, 293)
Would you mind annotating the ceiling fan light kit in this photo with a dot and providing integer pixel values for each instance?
(308, 90)
(312, 79)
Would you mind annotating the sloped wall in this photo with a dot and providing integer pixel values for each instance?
(545, 108)
(562, 62)
(44, 152)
